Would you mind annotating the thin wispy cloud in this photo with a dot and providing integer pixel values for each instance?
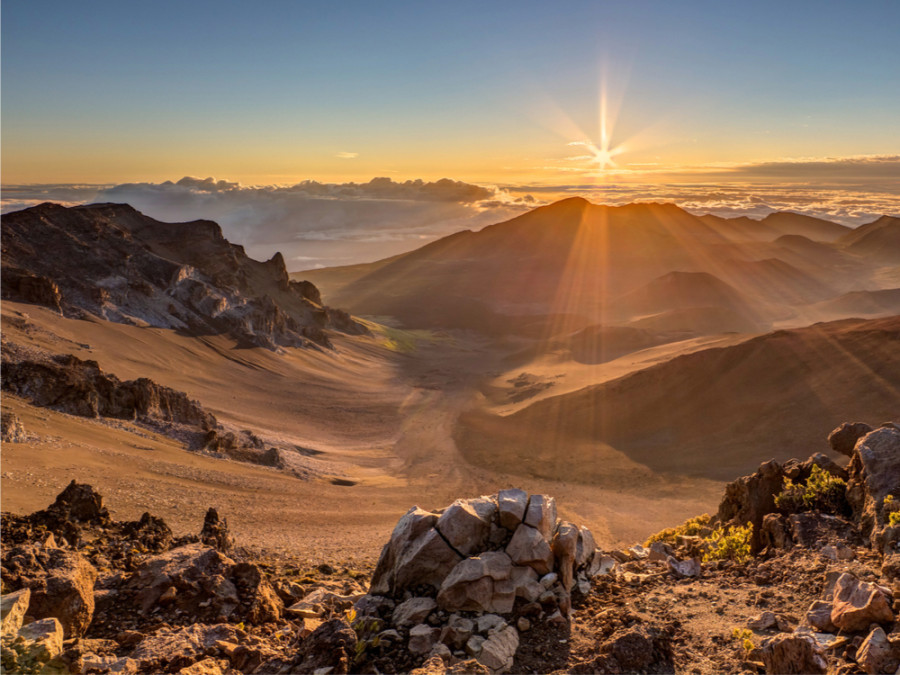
(347, 155)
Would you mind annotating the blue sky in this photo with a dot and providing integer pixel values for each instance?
(112, 91)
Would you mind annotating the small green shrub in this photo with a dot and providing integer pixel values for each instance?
(692, 527)
(745, 637)
(892, 510)
(730, 543)
(366, 635)
(821, 491)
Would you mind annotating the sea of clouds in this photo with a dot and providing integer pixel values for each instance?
(317, 224)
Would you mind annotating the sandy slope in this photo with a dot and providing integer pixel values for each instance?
(382, 418)
(713, 413)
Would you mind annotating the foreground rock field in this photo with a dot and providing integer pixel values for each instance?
(798, 572)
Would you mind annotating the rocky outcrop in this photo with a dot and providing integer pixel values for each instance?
(202, 582)
(111, 261)
(61, 585)
(843, 439)
(77, 387)
(215, 532)
(873, 475)
(485, 555)
(11, 428)
(67, 383)
(750, 498)
(21, 285)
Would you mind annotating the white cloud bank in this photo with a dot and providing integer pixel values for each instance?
(323, 224)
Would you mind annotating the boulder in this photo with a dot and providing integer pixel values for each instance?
(684, 568)
(858, 604)
(525, 582)
(874, 473)
(457, 631)
(584, 551)
(41, 641)
(413, 611)
(640, 648)
(843, 439)
(541, 514)
(499, 650)
(877, 655)
(818, 616)
(331, 645)
(564, 547)
(170, 649)
(529, 547)
(470, 586)
(413, 525)
(466, 524)
(792, 653)
(13, 607)
(749, 498)
(188, 568)
(259, 601)
(765, 621)
(512, 504)
(65, 591)
(422, 638)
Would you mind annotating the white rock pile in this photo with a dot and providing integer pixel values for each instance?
(448, 577)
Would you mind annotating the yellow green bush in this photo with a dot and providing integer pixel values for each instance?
(892, 510)
(693, 527)
(745, 637)
(821, 491)
(729, 543)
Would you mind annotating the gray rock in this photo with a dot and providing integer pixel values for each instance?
(499, 650)
(44, 638)
(413, 525)
(457, 631)
(13, 607)
(159, 650)
(466, 524)
(564, 547)
(512, 504)
(874, 473)
(487, 622)
(525, 583)
(818, 616)
(660, 552)
(685, 568)
(843, 439)
(584, 551)
(764, 621)
(877, 655)
(786, 653)
(858, 604)
(470, 586)
(474, 645)
(426, 560)
(529, 547)
(413, 611)
(601, 565)
(422, 638)
(541, 514)
(66, 592)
